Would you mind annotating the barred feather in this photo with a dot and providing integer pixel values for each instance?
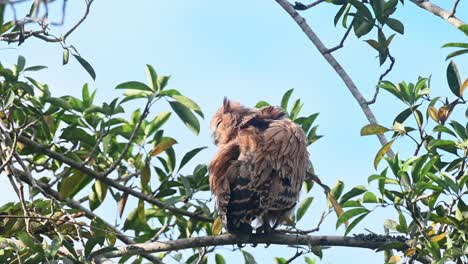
(259, 168)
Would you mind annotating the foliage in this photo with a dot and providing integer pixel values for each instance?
(65, 147)
(427, 190)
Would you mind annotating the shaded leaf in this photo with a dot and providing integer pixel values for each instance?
(189, 155)
(86, 66)
(303, 206)
(453, 78)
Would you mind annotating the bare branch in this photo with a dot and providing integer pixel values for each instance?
(440, 12)
(335, 65)
(454, 9)
(363, 241)
(301, 7)
(389, 69)
(339, 46)
(88, 7)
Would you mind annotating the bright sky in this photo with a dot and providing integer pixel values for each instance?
(251, 51)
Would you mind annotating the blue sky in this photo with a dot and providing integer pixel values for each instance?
(251, 51)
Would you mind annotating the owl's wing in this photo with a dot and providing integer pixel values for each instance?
(231, 184)
(281, 162)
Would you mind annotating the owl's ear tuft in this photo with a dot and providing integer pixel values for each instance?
(226, 105)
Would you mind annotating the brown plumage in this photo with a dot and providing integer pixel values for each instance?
(259, 168)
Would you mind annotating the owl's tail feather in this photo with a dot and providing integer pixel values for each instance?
(241, 207)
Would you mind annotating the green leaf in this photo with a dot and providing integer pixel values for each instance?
(303, 206)
(188, 103)
(456, 53)
(337, 189)
(373, 129)
(354, 223)
(21, 63)
(378, 6)
(350, 214)
(152, 78)
(362, 9)
(66, 56)
(362, 27)
(134, 85)
(453, 78)
(382, 153)
(396, 25)
(71, 185)
(464, 28)
(370, 197)
(97, 195)
(352, 193)
(310, 261)
(35, 68)
(455, 45)
(219, 259)
(261, 104)
(285, 99)
(86, 66)
(186, 116)
(249, 259)
(189, 155)
(145, 175)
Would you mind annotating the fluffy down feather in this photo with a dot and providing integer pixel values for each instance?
(259, 168)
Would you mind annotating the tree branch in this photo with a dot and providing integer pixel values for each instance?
(100, 176)
(335, 65)
(365, 241)
(440, 12)
(47, 191)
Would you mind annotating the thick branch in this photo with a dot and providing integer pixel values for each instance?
(81, 167)
(440, 12)
(229, 239)
(335, 65)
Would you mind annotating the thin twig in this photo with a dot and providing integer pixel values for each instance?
(454, 9)
(339, 46)
(377, 87)
(301, 7)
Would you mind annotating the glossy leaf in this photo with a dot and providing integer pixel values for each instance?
(303, 206)
(350, 214)
(186, 116)
(453, 79)
(134, 85)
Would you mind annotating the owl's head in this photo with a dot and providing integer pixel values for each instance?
(226, 121)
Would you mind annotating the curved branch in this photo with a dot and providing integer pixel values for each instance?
(440, 12)
(364, 241)
(335, 65)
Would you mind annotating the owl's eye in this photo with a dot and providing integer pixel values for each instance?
(217, 124)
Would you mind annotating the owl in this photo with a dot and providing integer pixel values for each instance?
(259, 168)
